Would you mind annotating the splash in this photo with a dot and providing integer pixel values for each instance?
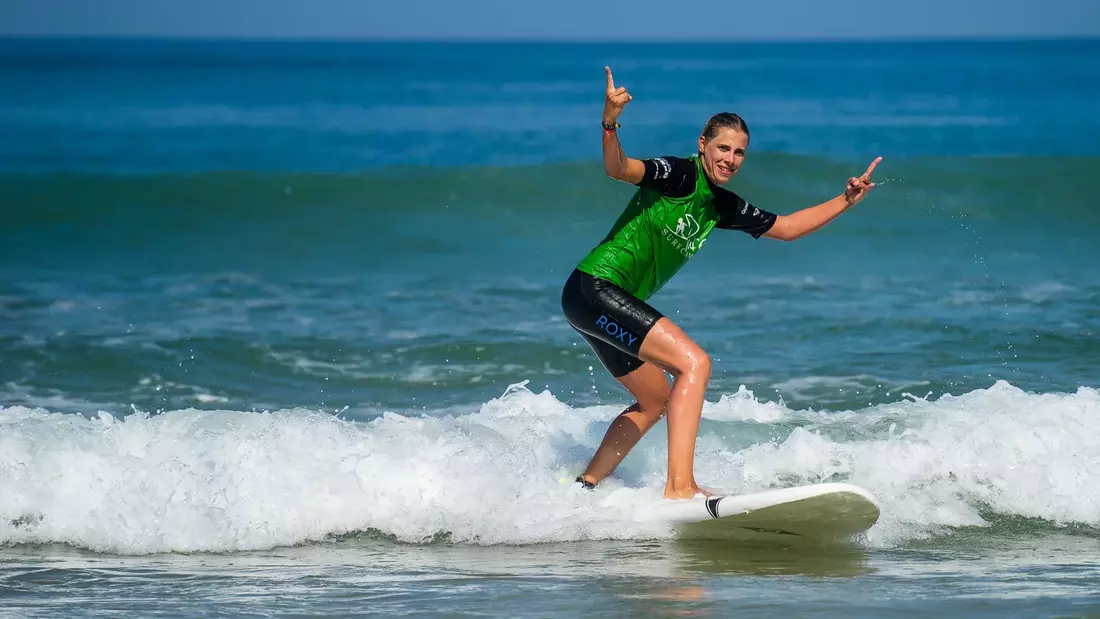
(222, 481)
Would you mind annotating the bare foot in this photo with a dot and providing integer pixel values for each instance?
(689, 492)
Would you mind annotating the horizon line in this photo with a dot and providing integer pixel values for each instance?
(467, 39)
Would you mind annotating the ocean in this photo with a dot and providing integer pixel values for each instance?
(281, 334)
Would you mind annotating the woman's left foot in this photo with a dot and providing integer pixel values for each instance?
(587, 485)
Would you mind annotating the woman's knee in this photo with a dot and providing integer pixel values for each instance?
(693, 362)
(673, 350)
(700, 364)
(656, 397)
(650, 387)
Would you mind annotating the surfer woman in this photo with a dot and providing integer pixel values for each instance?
(678, 203)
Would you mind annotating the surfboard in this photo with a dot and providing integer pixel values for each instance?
(819, 512)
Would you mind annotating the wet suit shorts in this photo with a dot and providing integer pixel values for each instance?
(612, 321)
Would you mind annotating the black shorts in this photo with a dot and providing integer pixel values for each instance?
(612, 321)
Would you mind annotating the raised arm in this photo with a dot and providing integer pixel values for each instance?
(615, 162)
(800, 223)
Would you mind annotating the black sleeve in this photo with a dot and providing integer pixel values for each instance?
(670, 176)
(735, 213)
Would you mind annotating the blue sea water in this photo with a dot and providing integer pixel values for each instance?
(280, 329)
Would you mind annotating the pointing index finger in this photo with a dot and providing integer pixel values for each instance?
(871, 168)
(610, 80)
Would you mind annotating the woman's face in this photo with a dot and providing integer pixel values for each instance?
(723, 154)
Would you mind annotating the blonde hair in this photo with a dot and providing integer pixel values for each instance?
(724, 120)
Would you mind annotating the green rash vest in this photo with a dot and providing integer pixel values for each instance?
(654, 238)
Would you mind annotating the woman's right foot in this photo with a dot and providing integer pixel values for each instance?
(688, 492)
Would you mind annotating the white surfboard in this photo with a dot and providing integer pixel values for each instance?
(819, 512)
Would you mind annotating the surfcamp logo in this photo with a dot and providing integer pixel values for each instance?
(683, 236)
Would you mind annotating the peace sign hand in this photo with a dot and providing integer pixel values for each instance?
(617, 98)
(858, 187)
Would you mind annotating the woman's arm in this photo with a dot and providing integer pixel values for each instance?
(615, 162)
(617, 165)
(803, 222)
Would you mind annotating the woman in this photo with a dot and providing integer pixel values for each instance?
(679, 202)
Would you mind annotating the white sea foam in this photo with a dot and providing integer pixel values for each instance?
(191, 480)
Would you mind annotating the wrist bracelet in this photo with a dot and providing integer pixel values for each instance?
(611, 127)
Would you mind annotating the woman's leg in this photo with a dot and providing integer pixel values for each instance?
(667, 346)
(627, 334)
(649, 386)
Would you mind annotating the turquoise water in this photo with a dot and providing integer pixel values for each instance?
(280, 328)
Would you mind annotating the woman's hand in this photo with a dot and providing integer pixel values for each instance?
(858, 187)
(617, 98)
